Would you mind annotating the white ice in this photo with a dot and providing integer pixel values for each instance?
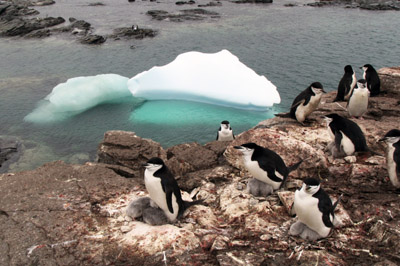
(218, 78)
(78, 95)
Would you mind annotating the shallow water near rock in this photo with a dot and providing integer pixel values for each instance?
(291, 46)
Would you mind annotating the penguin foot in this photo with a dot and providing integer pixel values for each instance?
(297, 228)
(309, 234)
(154, 216)
(258, 188)
(136, 207)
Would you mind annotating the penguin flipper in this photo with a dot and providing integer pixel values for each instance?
(168, 194)
(338, 140)
(396, 157)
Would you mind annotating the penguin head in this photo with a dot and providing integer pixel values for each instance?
(225, 124)
(317, 88)
(247, 149)
(329, 118)
(154, 164)
(362, 84)
(311, 186)
(392, 136)
(367, 67)
(348, 69)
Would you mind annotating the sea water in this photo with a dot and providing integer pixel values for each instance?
(291, 46)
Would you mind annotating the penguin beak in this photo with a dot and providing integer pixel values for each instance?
(383, 139)
(145, 165)
(238, 147)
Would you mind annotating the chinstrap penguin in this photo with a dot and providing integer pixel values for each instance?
(372, 78)
(164, 191)
(392, 139)
(314, 210)
(347, 136)
(358, 101)
(225, 132)
(346, 84)
(306, 102)
(265, 166)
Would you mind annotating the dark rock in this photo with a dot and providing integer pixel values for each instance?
(179, 3)
(182, 15)
(190, 157)
(131, 33)
(214, 3)
(253, 1)
(21, 27)
(127, 149)
(42, 3)
(9, 148)
(93, 39)
(96, 4)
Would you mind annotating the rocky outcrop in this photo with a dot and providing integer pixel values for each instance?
(75, 214)
(362, 4)
(9, 149)
(132, 33)
(183, 15)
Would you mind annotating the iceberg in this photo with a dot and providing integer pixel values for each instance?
(218, 78)
(79, 94)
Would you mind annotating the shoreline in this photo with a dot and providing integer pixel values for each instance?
(81, 208)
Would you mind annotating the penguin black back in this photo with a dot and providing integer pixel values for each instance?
(372, 78)
(304, 96)
(350, 129)
(345, 84)
(268, 161)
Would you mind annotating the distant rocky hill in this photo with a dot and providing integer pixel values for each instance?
(60, 214)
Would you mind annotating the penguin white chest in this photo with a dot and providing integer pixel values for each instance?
(225, 134)
(347, 145)
(257, 172)
(358, 103)
(157, 194)
(302, 111)
(391, 165)
(306, 208)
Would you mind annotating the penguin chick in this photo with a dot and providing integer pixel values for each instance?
(392, 139)
(372, 78)
(136, 207)
(358, 101)
(346, 84)
(346, 135)
(306, 102)
(225, 132)
(265, 165)
(258, 188)
(314, 210)
(164, 190)
(154, 216)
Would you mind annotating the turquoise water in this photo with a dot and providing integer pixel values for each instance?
(292, 47)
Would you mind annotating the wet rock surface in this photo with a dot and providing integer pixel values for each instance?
(61, 214)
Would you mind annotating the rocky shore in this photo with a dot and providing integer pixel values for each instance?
(61, 214)
(18, 18)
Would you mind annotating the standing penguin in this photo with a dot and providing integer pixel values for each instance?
(358, 101)
(164, 190)
(265, 166)
(346, 84)
(306, 102)
(392, 139)
(225, 132)
(347, 136)
(372, 78)
(314, 210)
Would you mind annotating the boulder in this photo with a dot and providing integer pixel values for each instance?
(126, 149)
